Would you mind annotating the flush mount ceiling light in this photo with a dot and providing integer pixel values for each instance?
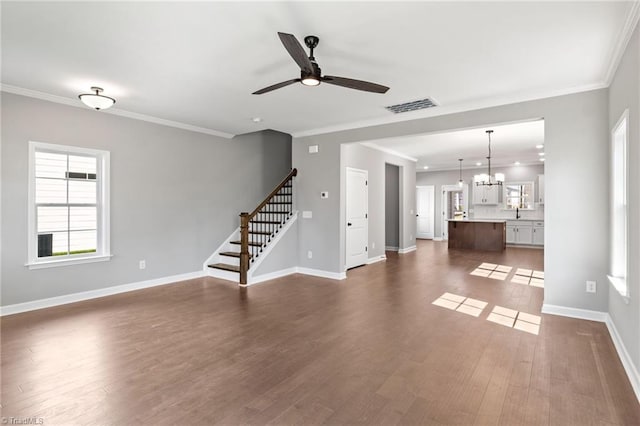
(257, 119)
(96, 100)
(487, 179)
(478, 164)
(539, 146)
(425, 167)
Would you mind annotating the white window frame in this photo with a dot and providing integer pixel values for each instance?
(620, 283)
(103, 249)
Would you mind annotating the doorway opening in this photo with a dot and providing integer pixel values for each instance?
(455, 205)
(392, 207)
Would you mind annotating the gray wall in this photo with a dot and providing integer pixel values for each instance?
(524, 173)
(374, 161)
(175, 194)
(576, 148)
(392, 205)
(624, 93)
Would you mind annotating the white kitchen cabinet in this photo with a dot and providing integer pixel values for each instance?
(540, 189)
(538, 233)
(485, 194)
(520, 232)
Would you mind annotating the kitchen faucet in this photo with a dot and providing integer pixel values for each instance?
(517, 213)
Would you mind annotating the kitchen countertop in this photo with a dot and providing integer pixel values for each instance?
(479, 220)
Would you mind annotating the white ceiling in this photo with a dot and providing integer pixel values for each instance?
(198, 62)
(441, 151)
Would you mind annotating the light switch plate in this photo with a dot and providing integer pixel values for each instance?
(313, 149)
(324, 194)
(307, 214)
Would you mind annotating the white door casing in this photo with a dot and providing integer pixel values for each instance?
(357, 221)
(425, 209)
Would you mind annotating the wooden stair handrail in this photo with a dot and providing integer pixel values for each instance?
(284, 181)
(245, 219)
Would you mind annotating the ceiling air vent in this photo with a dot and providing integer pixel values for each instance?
(412, 106)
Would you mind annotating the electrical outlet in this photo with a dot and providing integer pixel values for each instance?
(309, 254)
(591, 286)
(143, 264)
(373, 245)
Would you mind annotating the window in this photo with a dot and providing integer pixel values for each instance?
(619, 206)
(68, 205)
(518, 195)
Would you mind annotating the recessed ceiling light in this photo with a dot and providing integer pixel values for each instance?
(542, 159)
(517, 163)
(478, 164)
(539, 146)
(425, 167)
(541, 154)
(256, 119)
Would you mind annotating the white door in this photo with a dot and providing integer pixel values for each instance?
(425, 209)
(357, 233)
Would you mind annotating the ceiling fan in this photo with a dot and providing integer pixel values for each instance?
(310, 71)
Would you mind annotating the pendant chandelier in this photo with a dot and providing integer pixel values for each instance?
(460, 182)
(487, 179)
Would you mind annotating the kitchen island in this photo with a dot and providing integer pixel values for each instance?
(478, 234)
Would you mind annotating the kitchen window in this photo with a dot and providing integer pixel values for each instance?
(619, 204)
(68, 205)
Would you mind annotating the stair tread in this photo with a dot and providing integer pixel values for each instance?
(251, 243)
(260, 232)
(274, 212)
(225, 267)
(279, 202)
(265, 221)
(232, 254)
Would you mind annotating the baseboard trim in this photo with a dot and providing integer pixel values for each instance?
(407, 250)
(322, 274)
(271, 276)
(94, 294)
(437, 239)
(389, 248)
(627, 362)
(565, 311)
(376, 259)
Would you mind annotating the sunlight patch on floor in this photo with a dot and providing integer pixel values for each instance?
(492, 270)
(465, 305)
(529, 277)
(513, 319)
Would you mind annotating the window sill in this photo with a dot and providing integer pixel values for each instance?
(620, 284)
(68, 262)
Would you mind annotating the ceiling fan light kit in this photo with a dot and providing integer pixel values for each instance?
(485, 179)
(96, 100)
(310, 72)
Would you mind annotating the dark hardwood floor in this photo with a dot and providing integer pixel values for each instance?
(371, 349)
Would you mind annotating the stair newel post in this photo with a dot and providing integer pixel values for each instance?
(244, 247)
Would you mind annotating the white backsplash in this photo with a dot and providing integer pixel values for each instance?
(497, 212)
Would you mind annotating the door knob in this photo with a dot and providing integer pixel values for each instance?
(348, 223)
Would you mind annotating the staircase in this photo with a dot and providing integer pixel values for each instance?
(257, 230)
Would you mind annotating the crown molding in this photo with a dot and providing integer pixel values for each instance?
(388, 151)
(451, 109)
(483, 167)
(114, 111)
(623, 40)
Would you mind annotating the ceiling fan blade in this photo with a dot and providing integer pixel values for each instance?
(275, 86)
(296, 51)
(355, 84)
